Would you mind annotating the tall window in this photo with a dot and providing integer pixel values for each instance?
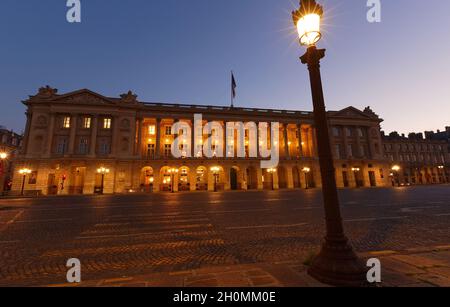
(336, 131)
(83, 146)
(152, 130)
(168, 130)
(61, 147)
(350, 150)
(337, 150)
(104, 147)
(66, 122)
(107, 123)
(349, 132)
(87, 123)
(167, 150)
(151, 151)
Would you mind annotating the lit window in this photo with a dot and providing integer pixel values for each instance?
(152, 130)
(87, 123)
(66, 122)
(168, 130)
(107, 123)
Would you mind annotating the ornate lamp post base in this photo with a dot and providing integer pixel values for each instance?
(338, 265)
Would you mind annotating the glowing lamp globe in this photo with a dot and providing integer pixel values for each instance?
(307, 19)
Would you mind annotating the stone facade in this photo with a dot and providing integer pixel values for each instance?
(68, 137)
(10, 143)
(420, 160)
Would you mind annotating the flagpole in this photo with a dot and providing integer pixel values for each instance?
(232, 99)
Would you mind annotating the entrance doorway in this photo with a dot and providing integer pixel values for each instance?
(372, 179)
(233, 179)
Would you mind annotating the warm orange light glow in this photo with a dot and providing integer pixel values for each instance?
(3, 155)
(308, 28)
(103, 170)
(306, 170)
(25, 171)
(396, 168)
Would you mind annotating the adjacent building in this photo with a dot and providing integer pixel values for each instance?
(10, 143)
(416, 159)
(83, 143)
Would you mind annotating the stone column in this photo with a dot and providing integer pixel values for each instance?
(115, 136)
(93, 142)
(27, 133)
(73, 131)
(358, 143)
(158, 138)
(51, 129)
(275, 181)
(300, 146)
(290, 177)
(287, 154)
(344, 137)
(258, 141)
(259, 174)
(139, 143)
(193, 149)
(192, 179)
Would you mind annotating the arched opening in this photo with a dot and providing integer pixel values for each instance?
(183, 179)
(267, 179)
(296, 177)
(167, 179)
(147, 179)
(201, 178)
(252, 178)
(282, 178)
(234, 178)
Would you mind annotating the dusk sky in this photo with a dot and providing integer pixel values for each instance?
(182, 51)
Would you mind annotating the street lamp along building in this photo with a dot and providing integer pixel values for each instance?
(68, 137)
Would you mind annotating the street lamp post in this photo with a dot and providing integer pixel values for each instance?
(172, 173)
(24, 172)
(215, 170)
(396, 176)
(306, 171)
(3, 157)
(337, 264)
(103, 171)
(355, 171)
(442, 173)
(272, 172)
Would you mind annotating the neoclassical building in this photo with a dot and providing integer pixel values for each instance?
(84, 143)
(421, 160)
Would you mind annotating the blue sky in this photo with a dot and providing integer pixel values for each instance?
(183, 51)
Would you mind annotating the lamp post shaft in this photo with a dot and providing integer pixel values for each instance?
(23, 185)
(336, 264)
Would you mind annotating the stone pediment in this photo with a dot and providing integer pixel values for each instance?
(84, 97)
(352, 113)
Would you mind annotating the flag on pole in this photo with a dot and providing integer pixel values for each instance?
(233, 89)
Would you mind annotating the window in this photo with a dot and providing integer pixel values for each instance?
(336, 131)
(362, 150)
(107, 123)
(61, 147)
(66, 122)
(104, 147)
(152, 129)
(83, 146)
(87, 123)
(151, 150)
(168, 130)
(337, 149)
(167, 150)
(349, 132)
(350, 150)
(360, 132)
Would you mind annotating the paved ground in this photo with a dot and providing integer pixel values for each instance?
(170, 234)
